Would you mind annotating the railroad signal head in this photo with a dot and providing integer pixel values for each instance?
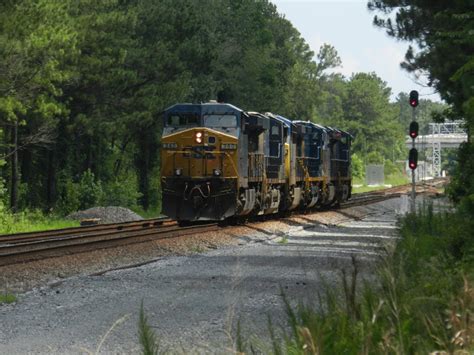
(413, 98)
(414, 129)
(413, 159)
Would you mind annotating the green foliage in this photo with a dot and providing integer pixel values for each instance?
(361, 106)
(30, 221)
(391, 168)
(69, 196)
(357, 166)
(374, 158)
(90, 191)
(121, 192)
(461, 188)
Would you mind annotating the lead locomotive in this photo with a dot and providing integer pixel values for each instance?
(218, 161)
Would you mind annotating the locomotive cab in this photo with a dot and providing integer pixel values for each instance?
(199, 161)
(340, 164)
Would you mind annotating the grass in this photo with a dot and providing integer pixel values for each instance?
(148, 340)
(150, 213)
(7, 298)
(31, 221)
(283, 240)
(393, 180)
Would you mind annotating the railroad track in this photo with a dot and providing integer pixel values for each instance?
(25, 247)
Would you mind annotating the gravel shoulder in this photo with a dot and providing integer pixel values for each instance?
(195, 290)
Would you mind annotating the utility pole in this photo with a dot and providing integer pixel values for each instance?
(413, 156)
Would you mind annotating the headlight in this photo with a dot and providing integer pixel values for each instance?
(170, 145)
(217, 172)
(198, 137)
(228, 146)
(178, 172)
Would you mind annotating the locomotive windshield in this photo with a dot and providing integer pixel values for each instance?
(220, 121)
(182, 119)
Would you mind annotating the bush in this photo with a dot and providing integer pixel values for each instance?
(69, 196)
(74, 196)
(461, 188)
(90, 190)
(374, 158)
(121, 192)
(357, 166)
(390, 168)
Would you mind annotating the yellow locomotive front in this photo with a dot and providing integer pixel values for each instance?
(199, 161)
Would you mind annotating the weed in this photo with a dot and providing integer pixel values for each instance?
(147, 337)
(198, 249)
(7, 298)
(283, 240)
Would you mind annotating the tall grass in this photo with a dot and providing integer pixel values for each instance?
(423, 301)
(148, 340)
(30, 221)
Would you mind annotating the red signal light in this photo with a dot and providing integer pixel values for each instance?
(413, 98)
(414, 129)
(413, 159)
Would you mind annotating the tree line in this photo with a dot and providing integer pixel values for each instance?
(83, 84)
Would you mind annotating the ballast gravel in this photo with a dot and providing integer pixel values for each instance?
(198, 288)
(111, 214)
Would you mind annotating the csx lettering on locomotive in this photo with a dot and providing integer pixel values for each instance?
(219, 161)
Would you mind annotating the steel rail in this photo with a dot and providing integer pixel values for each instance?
(49, 234)
(13, 254)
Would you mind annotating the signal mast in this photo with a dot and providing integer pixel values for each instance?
(413, 155)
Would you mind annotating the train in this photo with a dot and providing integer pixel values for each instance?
(219, 161)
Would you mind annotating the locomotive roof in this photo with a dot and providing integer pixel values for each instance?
(310, 124)
(203, 107)
(345, 133)
(287, 122)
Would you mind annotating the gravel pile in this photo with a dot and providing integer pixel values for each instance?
(109, 214)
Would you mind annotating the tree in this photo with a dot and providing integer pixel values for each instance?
(36, 42)
(443, 32)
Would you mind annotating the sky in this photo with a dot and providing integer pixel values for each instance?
(362, 47)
